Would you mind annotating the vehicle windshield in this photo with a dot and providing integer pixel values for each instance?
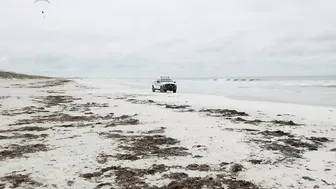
(166, 80)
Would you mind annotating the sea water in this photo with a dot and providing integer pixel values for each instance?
(309, 90)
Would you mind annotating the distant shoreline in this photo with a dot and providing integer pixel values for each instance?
(304, 92)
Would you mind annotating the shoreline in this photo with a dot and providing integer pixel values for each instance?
(218, 101)
(120, 137)
(269, 96)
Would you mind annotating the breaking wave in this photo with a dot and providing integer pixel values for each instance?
(330, 83)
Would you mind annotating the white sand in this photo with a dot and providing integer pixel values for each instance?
(71, 157)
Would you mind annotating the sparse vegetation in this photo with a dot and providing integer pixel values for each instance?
(13, 75)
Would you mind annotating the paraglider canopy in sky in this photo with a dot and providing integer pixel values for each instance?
(41, 1)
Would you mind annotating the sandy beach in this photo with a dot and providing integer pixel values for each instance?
(73, 134)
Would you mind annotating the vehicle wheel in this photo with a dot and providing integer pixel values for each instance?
(153, 89)
(174, 91)
(165, 91)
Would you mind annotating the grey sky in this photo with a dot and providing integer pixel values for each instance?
(179, 38)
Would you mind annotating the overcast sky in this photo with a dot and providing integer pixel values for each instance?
(147, 38)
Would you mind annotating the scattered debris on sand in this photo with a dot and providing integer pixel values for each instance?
(281, 122)
(251, 131)
(210, 182)
(56, 92)
(252, 122)
(289, 145)
(55, 117)
(319, 140)
(276, 133)
(286, 150)
(117, 131)
(61, 117)
(143, 146)
(24, 136)
(256, 161)
(196, 167)
(75, 107)
(70, 182)
(102, 158)
(223, 112)
(234, 115)
(77, 124)
(176, 176)
(156, 131)
(223, 164)
(101, 185)
(258, 121)
(136, 101)
(55, 100)
(20, 180)
(25, 129)
(176, 106)
(300, 144)
(328, 184)
(181, 108)
(236, 167)
(69, 137)
(25, 110)
(123, 120)
(130, 157)
(4, 97)
(16, 151)
(156, 145)
(308, 178)
(126, 177)
(292, 147)
(112, 135)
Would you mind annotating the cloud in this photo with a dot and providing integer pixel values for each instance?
(182, 38)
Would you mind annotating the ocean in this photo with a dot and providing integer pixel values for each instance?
(309, 90)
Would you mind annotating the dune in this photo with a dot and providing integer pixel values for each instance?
(13, 75)
(80, 134)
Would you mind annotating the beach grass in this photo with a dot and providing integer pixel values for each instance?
(13, 75)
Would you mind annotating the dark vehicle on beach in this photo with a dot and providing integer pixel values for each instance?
(164, 84)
